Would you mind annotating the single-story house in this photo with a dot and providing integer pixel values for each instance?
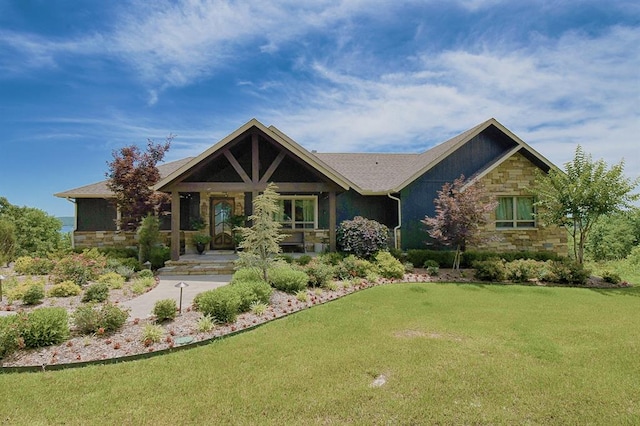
(319, 190)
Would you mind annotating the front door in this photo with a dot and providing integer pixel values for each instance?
(221, 228)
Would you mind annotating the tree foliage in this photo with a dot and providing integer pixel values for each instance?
(613, 236)
(584, 192)
(148, 237)
(261, 242)
(131, 175)
(7, 241)
(362, 237)
(36, 232)
(460, 212)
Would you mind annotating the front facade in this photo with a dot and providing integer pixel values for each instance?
(318, 191)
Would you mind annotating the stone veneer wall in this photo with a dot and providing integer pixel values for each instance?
(88, 239)
(512, 178)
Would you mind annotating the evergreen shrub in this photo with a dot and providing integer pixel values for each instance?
(490, 270)
(222, 304)
(97, 292)
(65, 289)
(287, 279)
(389, 266)
(165, 309)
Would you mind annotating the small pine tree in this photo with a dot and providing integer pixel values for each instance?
(460, 212)
(261, 242)
(148, 237)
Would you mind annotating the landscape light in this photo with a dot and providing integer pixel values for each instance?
(181, 285)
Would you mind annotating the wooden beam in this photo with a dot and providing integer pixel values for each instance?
(294, 187)
(272, 168)
(332, 220)
(255, 158)
(236, 166)
(175, 225)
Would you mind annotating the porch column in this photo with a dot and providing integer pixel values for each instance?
(332, 220)
(175, 225)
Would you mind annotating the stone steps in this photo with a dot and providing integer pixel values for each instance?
(210, 263)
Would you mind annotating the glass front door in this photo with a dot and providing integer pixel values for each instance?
(221, 227)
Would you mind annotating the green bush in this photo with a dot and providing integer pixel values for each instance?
(352, 267)
(611, 277)
(90, 318)
(222, 304)
(442, 258)
(165, 309)
(304, 260)
(26, 265)
(287, 279)
(332, 258)
(250, 292)
(246, 274)
(45, 327)
(523, 270)
(567, 271)
(112, 279)
(15, 289)
(319, 272)
(65, 289)
(145, 273)
(362, 237)
(10, 331)
(490, 270)
(98, 292)
(389, 266)
(80, 268)
(158, 256)
(152, 333)
(33, 295)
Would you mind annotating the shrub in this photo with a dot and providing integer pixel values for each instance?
(362, 237)
(289, 280)
(332, 258)
(138, 288)
(140, 285)
(45, 327)
(17, 289)
(246, 274)
(634, 256)
(165, 309)
(125, 271)
(152, 333)
(611, 277)
(79, 268)
(351, 267)
(567, 271)
(302, 295)
(221, 304)
(90, 318)
(158, 256)
(304, 260)
(145, 273)
(112, 279)
(441, 257)
(33, 295)
(9, 334)
(27, 265)
(319, 272)
(489, 270)
(205, 323)
(408, 267)
(98, 292)
(331, 285)
(251, 291)
(65, 289)
(389, 266)
(258, 308)
(522, 270)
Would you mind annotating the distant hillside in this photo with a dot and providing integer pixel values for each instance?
(67, 220)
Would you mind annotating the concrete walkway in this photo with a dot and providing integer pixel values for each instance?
(142, 306)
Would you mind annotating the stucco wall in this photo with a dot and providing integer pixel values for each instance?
(513, 178)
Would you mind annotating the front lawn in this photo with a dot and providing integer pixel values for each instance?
(448, 353)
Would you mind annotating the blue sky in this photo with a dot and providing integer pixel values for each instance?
(80, 79)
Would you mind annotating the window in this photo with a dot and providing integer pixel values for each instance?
(515, 212)
(297, 212)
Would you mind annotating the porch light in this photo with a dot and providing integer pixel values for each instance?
(147, 265)
(181, 285)
(2, 277)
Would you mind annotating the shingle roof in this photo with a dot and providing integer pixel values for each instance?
(100, 190)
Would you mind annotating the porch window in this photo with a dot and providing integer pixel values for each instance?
(515, 212)
(297, 212)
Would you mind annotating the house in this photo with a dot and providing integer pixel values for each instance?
(319, 190)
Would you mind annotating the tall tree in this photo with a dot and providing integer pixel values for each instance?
(260, 242)
(131, 175)
(585, 191)
(36, 232)
(460, 212)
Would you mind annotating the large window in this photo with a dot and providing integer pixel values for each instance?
(297, 212)
(515, 212)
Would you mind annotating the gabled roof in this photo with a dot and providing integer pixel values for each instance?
(272, 132)
(366, 173)
(100, 189)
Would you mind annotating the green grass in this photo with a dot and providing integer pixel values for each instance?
(463, 354)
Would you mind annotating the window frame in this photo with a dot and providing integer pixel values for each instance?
(291, 224)
(515, 223)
